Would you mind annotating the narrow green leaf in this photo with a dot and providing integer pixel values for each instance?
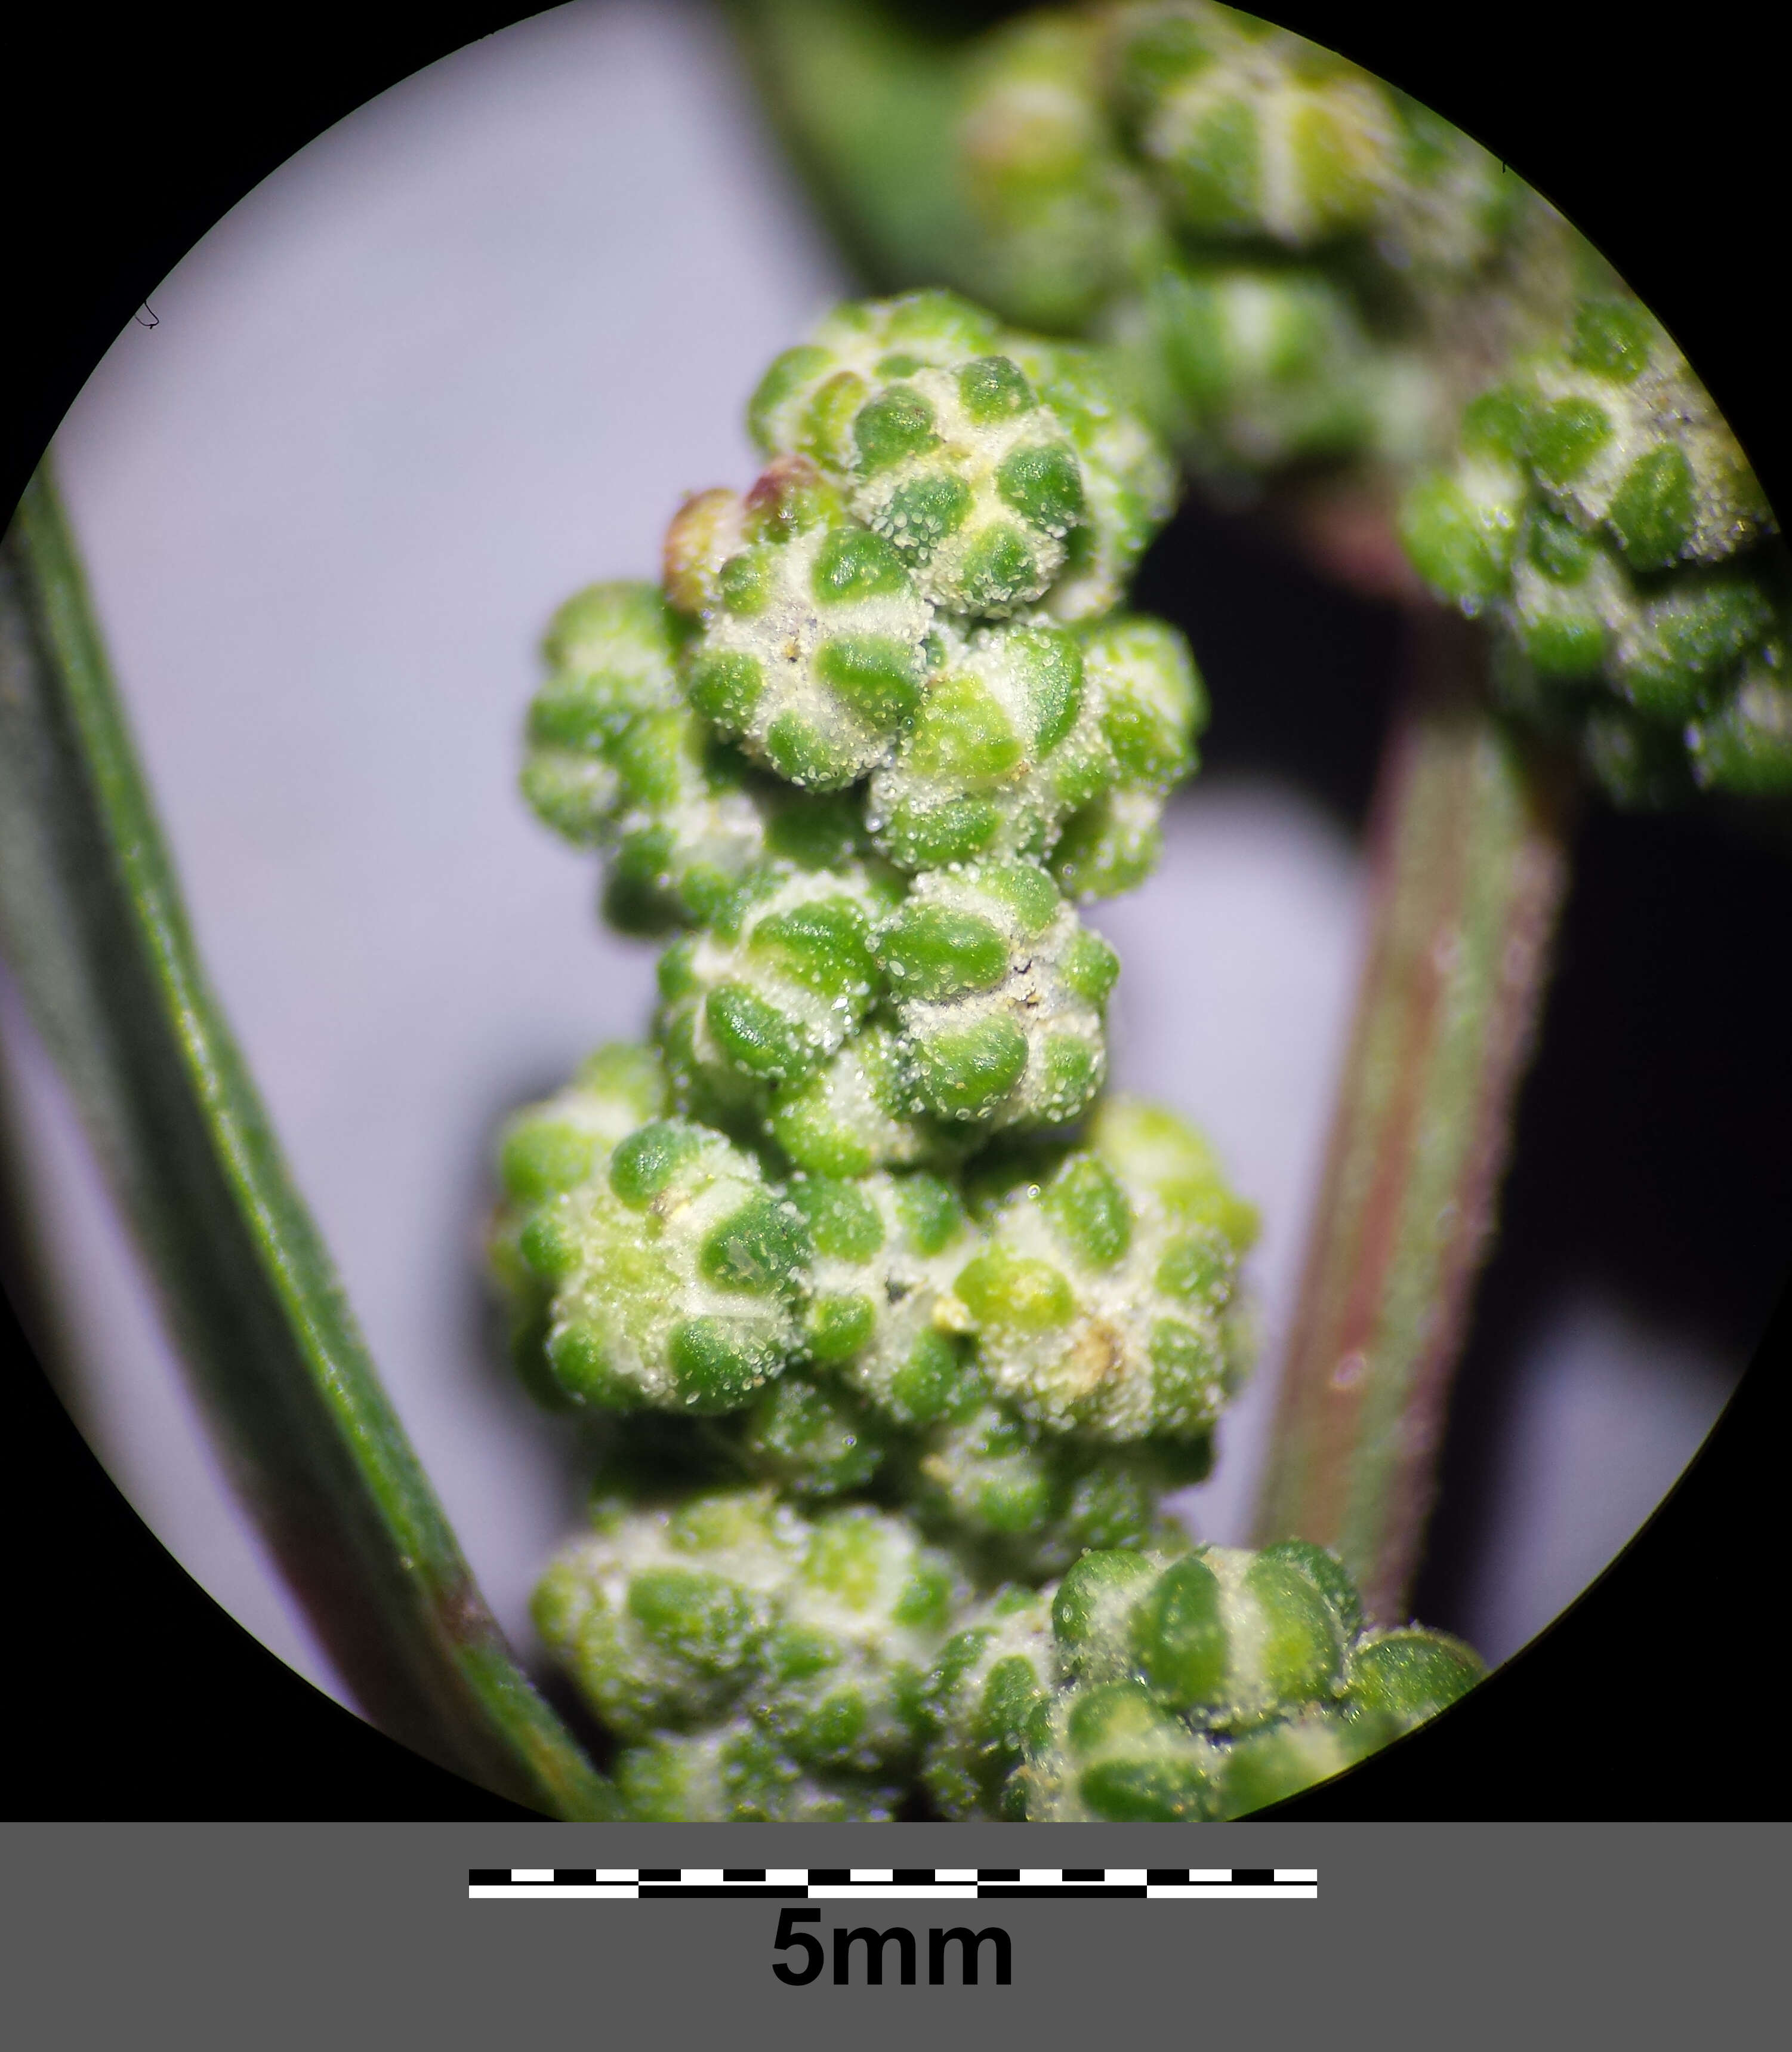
(91, 920)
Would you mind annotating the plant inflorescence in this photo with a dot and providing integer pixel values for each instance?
(1295, 263)
(891, 1314)
(1599, 511)
(1292, 260)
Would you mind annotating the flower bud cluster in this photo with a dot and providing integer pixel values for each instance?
(1142, 1689)
(873, 1301)
(1274, 235)
(1103, 1297)
(1600, 512)
(757, 1663)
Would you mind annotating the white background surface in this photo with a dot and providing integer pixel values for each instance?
(462, 355)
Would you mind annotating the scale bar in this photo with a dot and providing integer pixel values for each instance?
(819, 1884)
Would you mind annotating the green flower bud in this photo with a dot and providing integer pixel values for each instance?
(1694, 656)
(1089, 1610)
(1025, 726)
(673, 1278)
(1280, 244)
(775, 987)
(1747, 747)
(811, 627)
(1269, 1765)
(1571, 599)
(554, 1147)
(1109, 1754)
(611, 652)
(662, 1617)
(1461, 527)
(1000, 991)
(1209, 1685)
(1147, 698)
(943, 449)
(1601, 507)
(1408, 1676)
(853, 1114)
(863, 1620)
(1640, 766)
(1233, 1638)
(1109, 846)
(1621, 434)
(1130, 481)
(1100, 1304)
(1144, 704)
(618, 760)
(971, 479)
(808, 1640)
(680, 854)
(1061, 209)
(990, 1682)
(1023, 1501)
(1451, 207)
(1250, 132)
(809, 1440)
(1246, 367)
(566, 1141)
(885, 1250)
(736, 1774)
(692, 820)
(982, 772)
(1674, 654)
(1150, 1148)
(806, 401)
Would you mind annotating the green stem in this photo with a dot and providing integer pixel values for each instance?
(867, 105)
(92, 922)
(1469, 862)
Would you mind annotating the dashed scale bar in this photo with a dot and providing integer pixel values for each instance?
(824, 1884)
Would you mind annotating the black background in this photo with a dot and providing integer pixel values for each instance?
(134, 1696)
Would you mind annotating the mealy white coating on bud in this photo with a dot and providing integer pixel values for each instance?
(1661, 406)
(1258, 132)
(1063, 212)
(610, 652)
(1747, 744)
(1451, 203)
(862, 1622)
(778, 983)
(1605, 592)
(991, 1676)
(736, 1773)
(686, 824)
(1096, 1369)
(886, 1249)
(1246, 366)
(853, 1114)
(1135, 1742)
(958, 506)
(810, 651)
(632, 1660)
(1130, 484)
(1002, 1019)
(1006, 746)
(569, 1138)
(1109, 846)
(806, 401)
(1143, 693)
(671, 1276)
(1101, 1302)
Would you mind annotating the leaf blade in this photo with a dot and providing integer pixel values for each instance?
(91, 917)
